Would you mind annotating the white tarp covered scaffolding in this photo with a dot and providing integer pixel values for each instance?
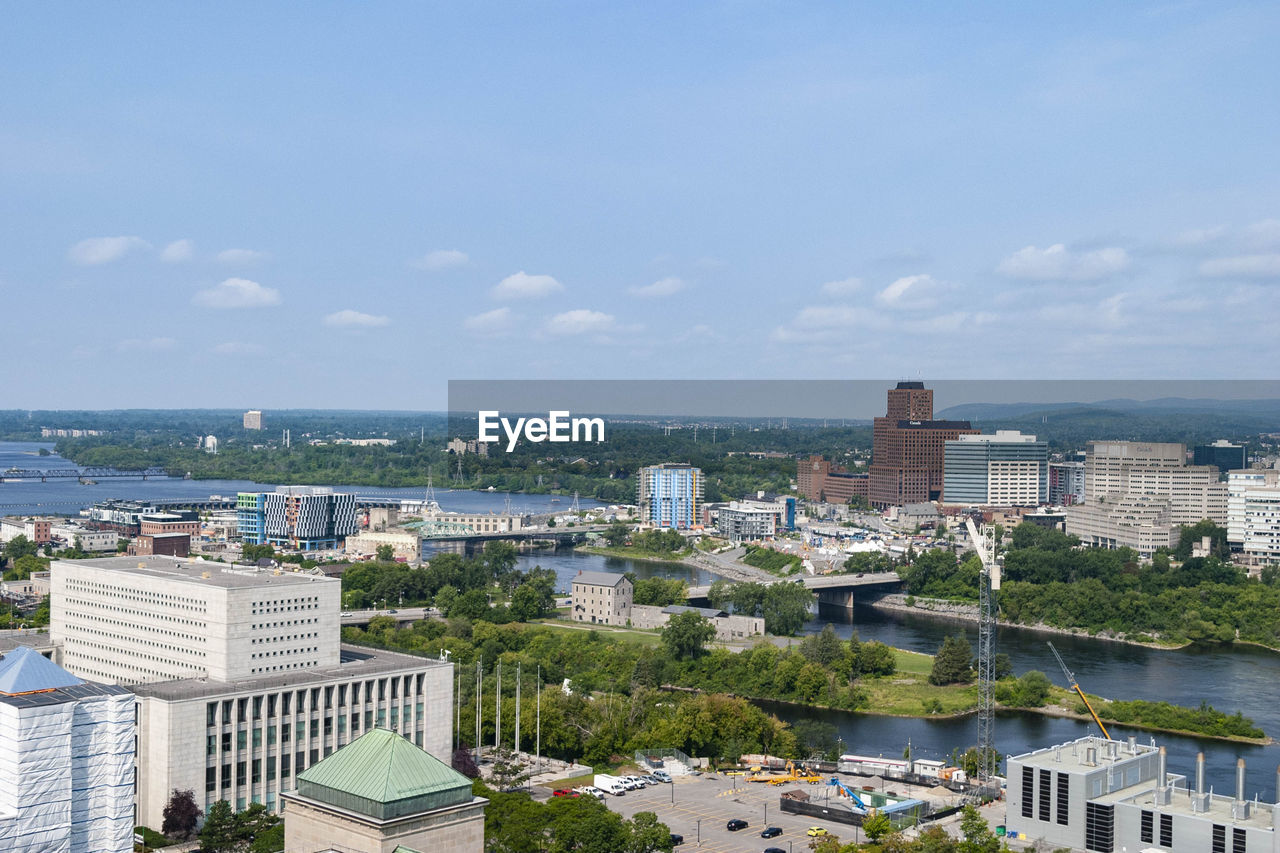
(66, 760)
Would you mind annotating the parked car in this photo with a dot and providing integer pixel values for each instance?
(564, 792)
(676, 839)
(816, 832)
(650, 779)
(774, 850)
(662, 775)
(736, 824)
(771, 832)
(638, 781)
(590, 791)
(629, 783)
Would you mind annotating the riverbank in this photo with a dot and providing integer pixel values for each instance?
(629, 553)
(961, 611)
(725, 565)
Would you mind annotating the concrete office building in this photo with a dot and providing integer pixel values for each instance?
(1194, 492)
(601, 598)
(1222, 455)
(1124, 521)
(253, 419)
(1106, 462)
(908, 448)
(747, 521)
(131, 620)
(1005, 469)
(1066, 483)
(66, 759)
(306, 518)
(382, 794)
(245, 741)
(669, 495)
(1106, 796)
(1253, 515)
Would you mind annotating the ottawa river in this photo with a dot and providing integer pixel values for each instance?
(1230, 678)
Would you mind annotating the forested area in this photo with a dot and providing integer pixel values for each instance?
(1049, 580)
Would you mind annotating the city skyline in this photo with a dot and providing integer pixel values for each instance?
(352, 206)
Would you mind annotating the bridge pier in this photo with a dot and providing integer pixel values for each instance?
(837, 597)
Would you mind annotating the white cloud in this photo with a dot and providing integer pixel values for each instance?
(525, 286)
(238, 348)
(236, 257)
(237, 293)
(348, 319)
(819, 323)
(661, 287)
(1264, 234)
(1058, 263)
(580, 321)
(145, 344)
(178, 251)
(844, 287)
(104, 250)
(912, 292)
(441, 259)
(1200, 236)
(1242, 266)
(493, 322)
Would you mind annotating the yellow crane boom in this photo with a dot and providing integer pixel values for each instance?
(1075, 685)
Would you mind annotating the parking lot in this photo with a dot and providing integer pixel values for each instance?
(704, 804)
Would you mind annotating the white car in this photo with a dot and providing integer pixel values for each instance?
(347, 614)
(629, 783)
(638, 781)
(590, 791)
(662, 775)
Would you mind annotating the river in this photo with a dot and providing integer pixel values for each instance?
(66, 496)
(1230, 678)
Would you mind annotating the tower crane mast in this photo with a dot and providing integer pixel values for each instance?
(988, 585)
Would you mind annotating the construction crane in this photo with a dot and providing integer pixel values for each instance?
(988, 586)
(1075, 685)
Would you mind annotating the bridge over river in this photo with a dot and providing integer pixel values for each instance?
(832, 590)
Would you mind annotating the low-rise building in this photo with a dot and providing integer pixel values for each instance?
(88, 540)
(382, 794)
(160, 544)
(1104, 795)
(600, 598)
(728, 626)
(37, 530)
(404, 545)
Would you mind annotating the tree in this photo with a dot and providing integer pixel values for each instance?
(823, 648)
(977, 835)
(218, 835)
(687, 634)
(785, 607)
(508, 771)
(1001, 666)
(181, 814)
(20, 546)
(533, 599)
(877, 825)
(648, 834)
(875, 658)
(954, 662)
(253, 553)
(617, 534)
(660, 592)
(385, 553)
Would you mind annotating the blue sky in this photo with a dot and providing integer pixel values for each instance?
(346, 205)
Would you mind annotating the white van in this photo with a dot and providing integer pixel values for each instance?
(610, 784)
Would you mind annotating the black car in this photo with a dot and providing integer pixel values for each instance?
(771, 832)
(736, 824)
(774, 850)
(676, 839)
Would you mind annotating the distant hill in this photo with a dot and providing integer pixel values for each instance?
(986, 411)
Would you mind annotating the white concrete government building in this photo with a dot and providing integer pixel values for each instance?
(239, 676)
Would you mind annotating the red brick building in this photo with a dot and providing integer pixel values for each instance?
(908, 447)
(167, 544)
(818, 479)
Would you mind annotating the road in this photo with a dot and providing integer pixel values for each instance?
(402, 614)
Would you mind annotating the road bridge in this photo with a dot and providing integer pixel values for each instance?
(832, 590)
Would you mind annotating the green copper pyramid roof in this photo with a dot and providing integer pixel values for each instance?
(383, 775)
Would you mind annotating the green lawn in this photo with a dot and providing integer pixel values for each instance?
(631, 635)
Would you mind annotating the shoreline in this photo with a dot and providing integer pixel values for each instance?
(1055, 711)
(963, 612)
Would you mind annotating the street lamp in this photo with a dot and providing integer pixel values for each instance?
(699, 832)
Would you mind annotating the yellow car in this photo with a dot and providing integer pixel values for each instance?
(815, 831)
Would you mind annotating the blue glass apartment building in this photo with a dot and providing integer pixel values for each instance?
(303, 518)
(670, 495)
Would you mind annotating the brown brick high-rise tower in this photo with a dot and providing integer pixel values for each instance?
(908, 447)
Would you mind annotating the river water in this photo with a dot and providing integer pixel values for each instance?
(1230, 678)
(67, 496)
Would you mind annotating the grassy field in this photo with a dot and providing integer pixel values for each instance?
(906, 692)
(631, 635)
